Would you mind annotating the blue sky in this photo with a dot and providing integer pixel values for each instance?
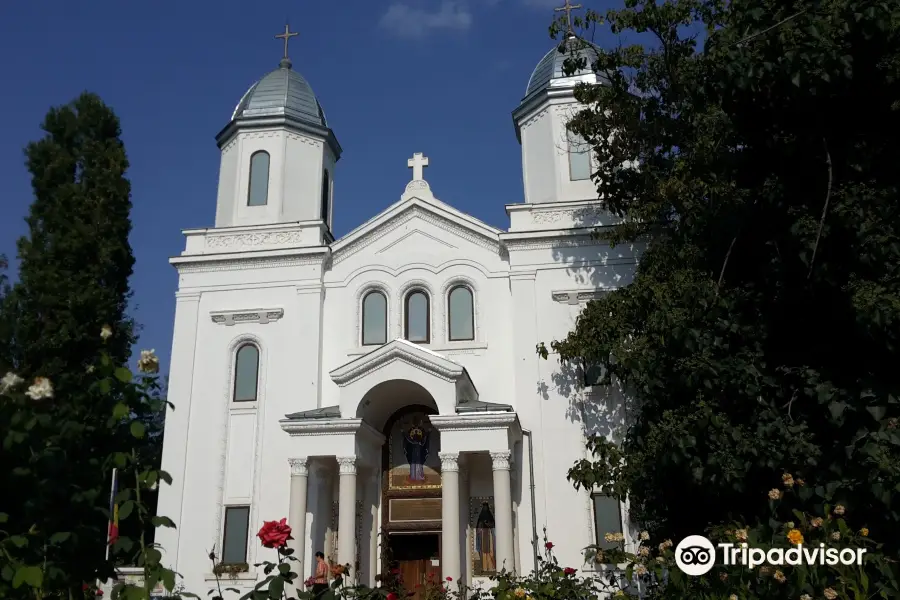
(394, 77)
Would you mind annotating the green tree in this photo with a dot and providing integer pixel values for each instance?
(760, 335)
(75, 264)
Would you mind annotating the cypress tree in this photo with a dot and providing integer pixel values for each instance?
(76, 260)
(75, 263)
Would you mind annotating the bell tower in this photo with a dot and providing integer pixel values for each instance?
(556, 165)
(278, 156)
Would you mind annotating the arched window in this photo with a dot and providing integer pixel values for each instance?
(460, 314)
(579, 158)
(246, 373)
(374, 319)
(258, 188)
(326, 195)
(417, 324)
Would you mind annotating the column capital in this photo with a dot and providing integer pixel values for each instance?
(346, 465)
(299, 466)
(501, 460)
(449, 461)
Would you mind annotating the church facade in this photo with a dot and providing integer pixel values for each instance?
(382, 391)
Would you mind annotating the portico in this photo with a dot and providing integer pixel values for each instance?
(397, 450)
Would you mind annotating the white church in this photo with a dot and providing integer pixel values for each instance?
(382, 390)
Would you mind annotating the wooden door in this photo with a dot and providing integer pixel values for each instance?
(417, 557)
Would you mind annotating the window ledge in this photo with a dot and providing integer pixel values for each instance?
(225, 578)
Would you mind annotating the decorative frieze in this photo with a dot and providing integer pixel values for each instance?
(232, 317)
(574, 297)
(581, 217)
(254, 240)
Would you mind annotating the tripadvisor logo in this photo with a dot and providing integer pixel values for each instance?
(695, 555)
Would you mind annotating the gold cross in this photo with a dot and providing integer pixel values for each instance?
(568, 8)
(287, 35)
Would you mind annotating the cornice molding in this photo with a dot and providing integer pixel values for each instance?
(202, 264)
(474, 421)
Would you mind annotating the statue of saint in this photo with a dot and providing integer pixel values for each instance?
(415, 447)
(485, 559)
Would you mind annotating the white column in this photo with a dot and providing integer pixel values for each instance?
(297, 513)
(503, 511)
(374, 562)
(347, 513)
(450, 566)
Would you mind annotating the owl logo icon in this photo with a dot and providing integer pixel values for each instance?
(695, 555)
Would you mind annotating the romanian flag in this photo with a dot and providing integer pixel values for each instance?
(114, 509)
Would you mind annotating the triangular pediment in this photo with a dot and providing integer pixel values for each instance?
(399, 350)
(456, 224)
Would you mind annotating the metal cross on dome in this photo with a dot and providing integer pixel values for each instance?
(417, 163)
(288, 34)
(568, 8)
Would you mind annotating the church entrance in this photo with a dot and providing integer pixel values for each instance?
(417, 557)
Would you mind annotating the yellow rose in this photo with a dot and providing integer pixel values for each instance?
(864, 532)
(520, 593)
(795, 536)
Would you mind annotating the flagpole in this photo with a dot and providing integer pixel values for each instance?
(112, 499)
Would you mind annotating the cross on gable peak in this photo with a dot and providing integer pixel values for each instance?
(417, 163)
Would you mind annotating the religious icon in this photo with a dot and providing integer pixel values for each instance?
(415, 447)
(485, 557)
(413, 454)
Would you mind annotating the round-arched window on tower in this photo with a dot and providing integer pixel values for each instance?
(258, 187)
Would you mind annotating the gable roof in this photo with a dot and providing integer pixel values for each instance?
(426, 207)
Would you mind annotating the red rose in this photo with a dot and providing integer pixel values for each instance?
(395, 571)
(99, 593)
(449, 579)
(569, 571)
(392, 596)
(549, 545)
(275, 534)
(85, 587)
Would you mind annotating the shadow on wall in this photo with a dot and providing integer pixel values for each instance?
(591, 263)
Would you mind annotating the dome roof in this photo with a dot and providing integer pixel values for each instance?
(550, 69)
(283, 92)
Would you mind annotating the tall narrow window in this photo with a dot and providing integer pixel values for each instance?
(326, 195)
(417, 317)
(234, 539)
(246, 373)
(258, 189)
(374, 317)
(607, 519)
(579, 158)
(461, 314)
